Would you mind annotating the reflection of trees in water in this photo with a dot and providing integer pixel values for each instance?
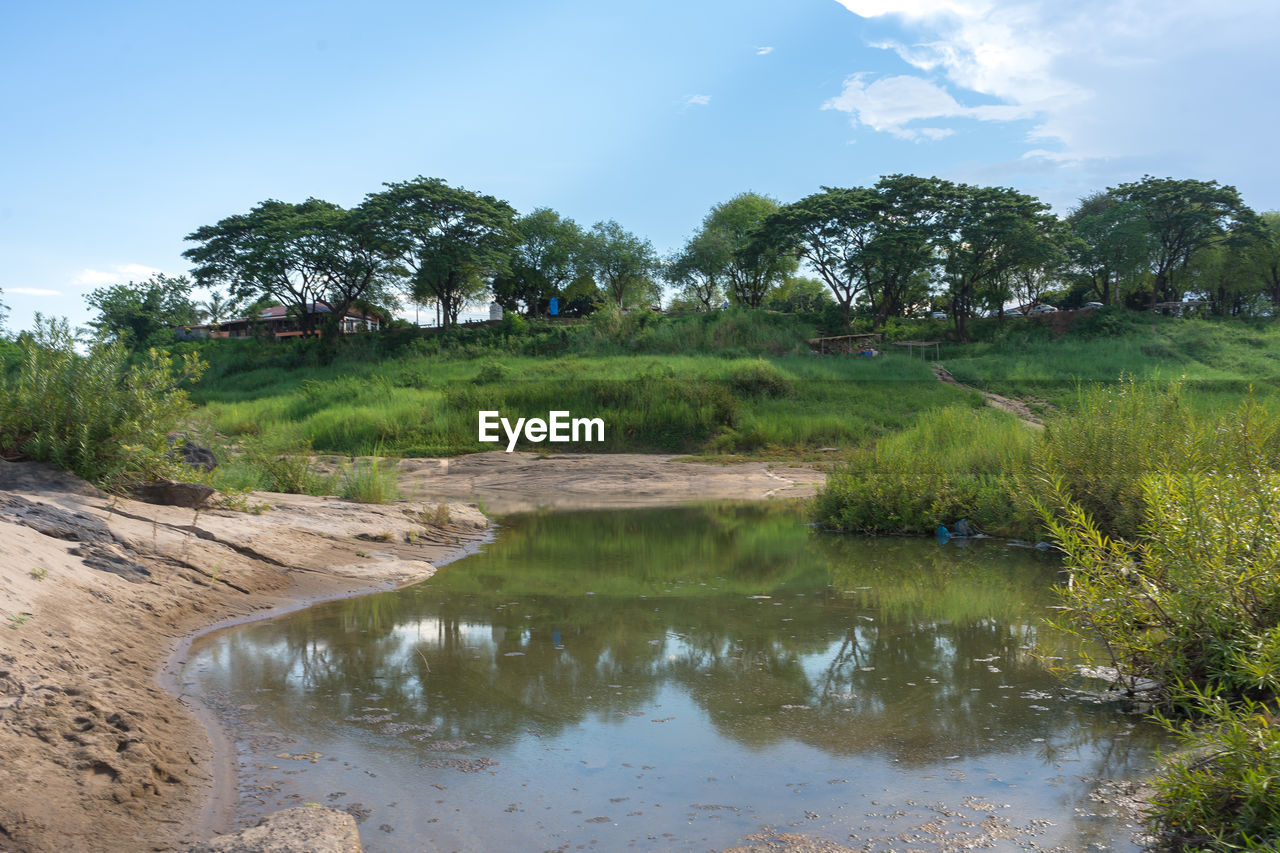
(878, 644)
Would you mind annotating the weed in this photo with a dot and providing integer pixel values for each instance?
(40, 573)
(18, 619)
(370, 481)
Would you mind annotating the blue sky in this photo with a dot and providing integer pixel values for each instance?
(128, 125)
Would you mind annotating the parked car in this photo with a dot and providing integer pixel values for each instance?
(1089, 306)
(1043, 309)
(937, 315)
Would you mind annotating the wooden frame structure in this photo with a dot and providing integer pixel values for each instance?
(843, 344)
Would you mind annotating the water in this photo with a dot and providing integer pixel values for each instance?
(681, 679)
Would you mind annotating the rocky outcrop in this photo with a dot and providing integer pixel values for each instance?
(315, 830)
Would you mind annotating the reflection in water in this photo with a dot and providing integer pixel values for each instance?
(675, 679)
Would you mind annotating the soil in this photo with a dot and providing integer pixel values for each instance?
(100, 596)
(1010, 405)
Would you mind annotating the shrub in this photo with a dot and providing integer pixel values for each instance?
(370, 481)
(1193, 604)
(94, 414)
(951, 464)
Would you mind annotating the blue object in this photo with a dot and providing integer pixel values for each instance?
(555, 305)
(944, 535)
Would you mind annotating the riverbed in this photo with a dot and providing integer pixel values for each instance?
(684, 678)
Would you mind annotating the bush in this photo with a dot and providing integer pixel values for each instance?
(1193, 605)
(1099, 454)
(951, 464)
(370, 481)
(94, 414)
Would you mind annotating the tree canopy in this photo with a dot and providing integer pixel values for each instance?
(449, 240)
(142, 315)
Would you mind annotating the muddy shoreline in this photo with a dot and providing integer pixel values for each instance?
(104, 596)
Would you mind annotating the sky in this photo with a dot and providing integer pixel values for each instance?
(127, 125)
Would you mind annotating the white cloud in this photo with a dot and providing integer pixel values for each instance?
(1096, 78)
(33, 291)
(764, 51)
(116, 274)
(697, 100)
(891, 103)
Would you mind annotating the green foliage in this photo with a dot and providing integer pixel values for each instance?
(949, 465)
(371, 480)
(623, 264)
(1099, 454)
(1190, 604)
(94, 414)
(143, 315)
(294, 472)
(1219, 793)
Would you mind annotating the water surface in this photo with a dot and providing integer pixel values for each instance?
(680, 679)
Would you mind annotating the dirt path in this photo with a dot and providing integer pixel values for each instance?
(1015, 407)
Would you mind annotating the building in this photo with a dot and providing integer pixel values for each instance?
(278, 322)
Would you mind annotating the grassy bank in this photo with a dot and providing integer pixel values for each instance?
(720, 384)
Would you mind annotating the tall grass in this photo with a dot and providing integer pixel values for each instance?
(371, 480)
(951, 464)
(96, 414)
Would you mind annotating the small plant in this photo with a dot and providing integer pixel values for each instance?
(40, 573)
(371, 481)
(18, 619)
(411, 537)
(442, 516)
(361, 554)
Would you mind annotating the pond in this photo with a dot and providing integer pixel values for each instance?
(683, 679)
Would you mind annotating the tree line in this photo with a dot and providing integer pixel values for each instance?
(904, 246)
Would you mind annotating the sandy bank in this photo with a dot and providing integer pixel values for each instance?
(95, 592)
(514, 482)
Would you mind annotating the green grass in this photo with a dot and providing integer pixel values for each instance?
(1217, 361)
(417, 405)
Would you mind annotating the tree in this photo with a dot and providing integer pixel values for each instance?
(989, 233)
(752, 265)
(1114, 246)
(832, 230)
(4, 313)
(1264, 255)
(216, 308)
(697, 272)
(448, 240)
(1183, 217)
(904, 253)
(142, 315)
(622, 264)
(298, 254)
(545, 261)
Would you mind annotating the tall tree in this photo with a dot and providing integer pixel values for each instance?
(904, 254)
(1183, 217)
(141, 315)
(1264, 255)
(277, 250)
(832, 230)
(449, 240)
(622, 264)
(697, 271)
(990, 232)
(544, 261)
(752, 265)
(1115, 246)
(4, 314)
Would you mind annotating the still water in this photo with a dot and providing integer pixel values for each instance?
(684, 679)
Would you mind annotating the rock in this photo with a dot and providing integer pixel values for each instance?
(315, 830)
(53, 521)
(170, 493)
(198, 456)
